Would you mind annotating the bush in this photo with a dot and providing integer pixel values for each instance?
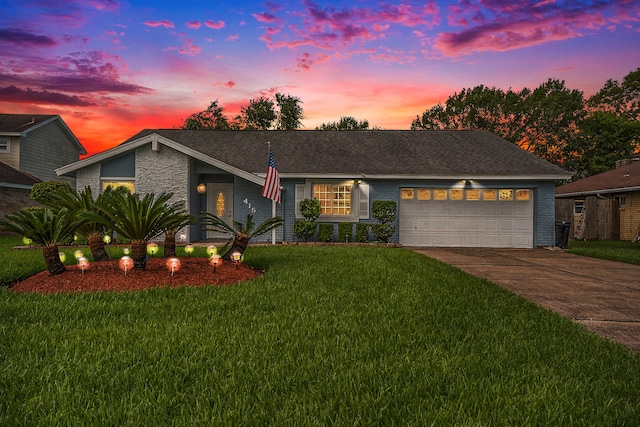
(362, 232)
(310, 209)
(345, 232)
(304, 229)
(325, 233)
(41, 191)
(385, 212)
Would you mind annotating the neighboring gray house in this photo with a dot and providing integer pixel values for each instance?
(38, 144)
(15, 188)
(453, 188)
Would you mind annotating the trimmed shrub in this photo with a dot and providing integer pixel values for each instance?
(304, 230)
(325, 233)
(310, 209)
(385, 212)
(362, 232)
(41, 191)
(345, 232)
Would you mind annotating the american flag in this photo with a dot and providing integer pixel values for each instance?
(271, 189)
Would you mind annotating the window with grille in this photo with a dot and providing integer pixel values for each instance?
(334, 199)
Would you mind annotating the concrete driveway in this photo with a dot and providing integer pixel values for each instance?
(604, 296)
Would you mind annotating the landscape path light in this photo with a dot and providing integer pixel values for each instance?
(27, 241)
(152, 249)
(83, 263)
(106, 239)
(216, 261)
(173, 264)
(126, 251)
(235, 257)
(126, 263)
(62, 256)
(78, 254)
(188, 249)
(212, 250)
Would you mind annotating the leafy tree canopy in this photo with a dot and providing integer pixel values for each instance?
(347, 123)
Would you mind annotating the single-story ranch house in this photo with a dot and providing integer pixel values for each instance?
(452, 188)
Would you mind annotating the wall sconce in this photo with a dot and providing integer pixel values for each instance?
(202, 188)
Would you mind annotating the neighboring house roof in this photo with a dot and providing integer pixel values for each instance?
(349, 154)
(620, 180)
(21, 124)
(10, 177)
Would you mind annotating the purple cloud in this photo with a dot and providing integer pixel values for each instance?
(501, 25)
(23, 38)
(164, 23)
(214, 25)
(28, 96)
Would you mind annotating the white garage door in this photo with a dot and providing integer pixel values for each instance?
(466, 218)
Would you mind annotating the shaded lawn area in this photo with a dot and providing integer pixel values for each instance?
(613, 250)
(328, 336)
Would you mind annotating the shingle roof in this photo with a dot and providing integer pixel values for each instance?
(9, 175)
(622, 179)
(470, 154)
(21, 122)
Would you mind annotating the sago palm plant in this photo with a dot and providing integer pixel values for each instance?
(242, 233)
(178, 220)
(83, 201)
(139, 219)
(45, 228)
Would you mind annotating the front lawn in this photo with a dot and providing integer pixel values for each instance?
(328, 336)
(614, 250)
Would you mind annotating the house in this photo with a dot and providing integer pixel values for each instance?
(15, 188)
(604, 206)
(452, 188)
(38, 144)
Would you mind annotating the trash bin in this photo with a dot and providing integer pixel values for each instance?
(562, 233)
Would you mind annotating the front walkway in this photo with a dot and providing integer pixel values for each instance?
(604, 296)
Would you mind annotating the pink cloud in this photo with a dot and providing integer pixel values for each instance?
(214, 25)
(164, 23)
(266, 17)
(194, 25)
(230, 84)
(232, 38)
(496, 25)
(188, 48)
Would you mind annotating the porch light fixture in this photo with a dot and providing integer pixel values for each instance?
(126, 263)
(202, 188)
(216, 261)
(83, 263)
(173, 264)
(235, 257)
(188, 249)
(152, 249)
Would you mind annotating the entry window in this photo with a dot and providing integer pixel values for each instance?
(129, 185)
(407, 193)
(334, 199)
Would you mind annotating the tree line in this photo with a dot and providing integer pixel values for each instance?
(583, 135)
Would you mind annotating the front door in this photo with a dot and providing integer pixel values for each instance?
(220, 203)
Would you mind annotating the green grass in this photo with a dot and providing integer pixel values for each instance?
(614, 250)
(328, 336)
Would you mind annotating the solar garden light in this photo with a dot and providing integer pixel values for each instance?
(126, 263)
(212, 250)
(62, 256)
(83, 263)
(78, 254)
(152, 249)
(235, 257)
(106, 239)
(173, 264)
(188, 249)
(27, 241)
(216, 261)
(126, 251)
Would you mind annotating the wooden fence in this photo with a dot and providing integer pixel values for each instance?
(600, 221)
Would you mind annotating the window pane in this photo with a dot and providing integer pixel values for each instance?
(129, 185)
(440, 194)
(473, 194)
(455, 194)
(522, 195)
(506, 194)
(489, 194)
(334, 199)
(407, 193)
(424, 194)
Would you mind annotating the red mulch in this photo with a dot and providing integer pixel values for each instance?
(108, 276)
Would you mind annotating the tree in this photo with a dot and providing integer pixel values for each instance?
(259, 114)
(242, 233)
(45, 228)
(619, 99)
(346, 123)
(290, 115)
(139, 220)
(178, 220)
(210, 119)
(540, 121)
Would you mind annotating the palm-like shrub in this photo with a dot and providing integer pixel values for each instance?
(179, 219)
(83, 201)
(139, 220)
(242, 233)
(45, 228)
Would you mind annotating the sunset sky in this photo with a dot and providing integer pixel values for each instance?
(111, 68)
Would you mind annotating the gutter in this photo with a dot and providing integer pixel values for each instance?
(596, 192)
